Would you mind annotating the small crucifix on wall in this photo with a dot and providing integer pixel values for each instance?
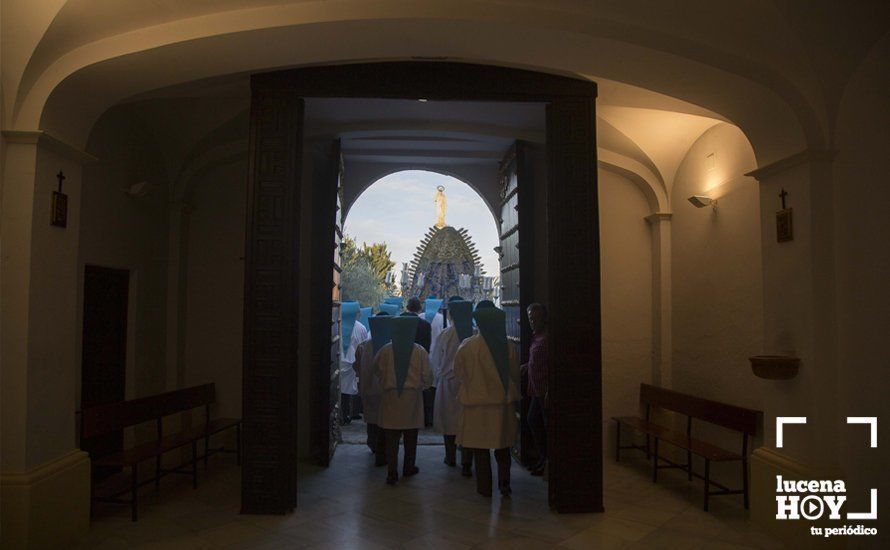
(784, 219)
(60, 205)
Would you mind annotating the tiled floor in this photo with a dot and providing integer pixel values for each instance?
(349, 506)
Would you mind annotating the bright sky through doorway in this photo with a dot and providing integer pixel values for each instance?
(400, 208)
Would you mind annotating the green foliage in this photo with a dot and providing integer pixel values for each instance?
(364, 272)
(379, 258)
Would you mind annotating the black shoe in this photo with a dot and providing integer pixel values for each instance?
(414, 470)
(391, 480)
(451, 463)
(538, 473)
(466, 470)
(485, 494)
(506, 491)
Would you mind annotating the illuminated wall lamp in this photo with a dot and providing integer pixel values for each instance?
(700, 201)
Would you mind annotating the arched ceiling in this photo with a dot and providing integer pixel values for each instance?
(759, 64)
(198, 123)
(665, 74)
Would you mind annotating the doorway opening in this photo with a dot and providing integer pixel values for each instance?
(104, 352)
(297, 190)
(443, 242)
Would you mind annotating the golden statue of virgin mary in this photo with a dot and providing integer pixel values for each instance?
(441, 207)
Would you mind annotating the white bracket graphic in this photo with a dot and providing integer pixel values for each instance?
(870, 420)
(873, 514)
(780, 423)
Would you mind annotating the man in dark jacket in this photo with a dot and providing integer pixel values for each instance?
(424, 338)
(424, 329)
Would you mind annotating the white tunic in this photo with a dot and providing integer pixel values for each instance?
(348, 380)
(405, 411)
(488, 414)
(446, 411)
(368, 386)
(435, 331)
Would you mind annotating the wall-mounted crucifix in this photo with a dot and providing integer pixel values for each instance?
(59, 214)
(784, 221)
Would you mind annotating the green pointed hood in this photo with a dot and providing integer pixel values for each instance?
(404, 331)
(381, 331)
(492, 326)
(462, 314)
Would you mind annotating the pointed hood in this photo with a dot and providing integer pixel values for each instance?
(493, 328)
(462, 314)
(381, 331)
(348, 310)
(404, 331)
(430, 308)
(391, 309)
(367, 312)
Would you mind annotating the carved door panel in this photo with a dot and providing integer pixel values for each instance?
(271, 303)
(327, 226)
(516, 189)
(575, 449)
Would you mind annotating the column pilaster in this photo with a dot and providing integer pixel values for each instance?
(662, 349)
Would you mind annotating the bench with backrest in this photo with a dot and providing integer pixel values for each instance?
(114, 417)
(734, 418)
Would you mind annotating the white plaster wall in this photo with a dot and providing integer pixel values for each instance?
(124, 232)
(626, 268)
(53, 308)
(717, 279)
(862, 197)
(214, 301)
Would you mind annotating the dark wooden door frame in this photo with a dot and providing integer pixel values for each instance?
(106, 294)
(272, 261)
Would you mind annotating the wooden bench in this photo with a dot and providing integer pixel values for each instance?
(114, 417)
(735, 418)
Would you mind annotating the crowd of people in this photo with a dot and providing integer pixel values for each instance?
(447, 365)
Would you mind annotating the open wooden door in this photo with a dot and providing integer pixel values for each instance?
(327, 227)
(271, 303)
(517, 189)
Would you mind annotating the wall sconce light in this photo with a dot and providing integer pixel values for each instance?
(700, 201)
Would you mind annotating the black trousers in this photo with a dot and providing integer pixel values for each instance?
(357, 409)
(392, 451)
(346, 408)
(537, 423)
(429, 400)
(483, 469)
(466, 455)
(377, 443)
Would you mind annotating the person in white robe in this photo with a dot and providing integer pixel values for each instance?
(352, 335)
(446, 413)
(369, 386)
(488, 371)
(402, 369)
